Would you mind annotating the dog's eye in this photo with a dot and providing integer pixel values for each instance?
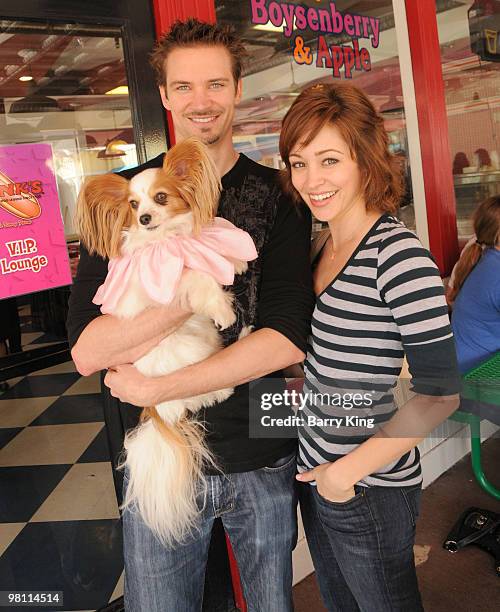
(134, 204)
(160, 198)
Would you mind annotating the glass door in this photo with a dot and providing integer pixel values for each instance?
(77, 98)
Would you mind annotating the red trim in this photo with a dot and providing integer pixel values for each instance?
(168, 11)
(433, 126)
(239, 599)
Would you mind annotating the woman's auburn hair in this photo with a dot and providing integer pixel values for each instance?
(348, 109)
(486, 222)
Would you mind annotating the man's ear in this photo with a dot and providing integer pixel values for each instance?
(239, 91)
(164, 99)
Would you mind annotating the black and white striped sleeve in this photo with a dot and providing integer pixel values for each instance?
(410, 284)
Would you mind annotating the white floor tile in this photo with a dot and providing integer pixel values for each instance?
(85, 493)
(118, 592)
(21, 412)
(62, 368)
(49, 444)
(85, 384)
(8, 532)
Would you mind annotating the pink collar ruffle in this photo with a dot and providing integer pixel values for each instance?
(160, 264)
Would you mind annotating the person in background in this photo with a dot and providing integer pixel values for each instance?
(10, 327)
(450, 286)
(482, 160)
(476, 298)
(460, 162)
(379, 297)
(10, 331)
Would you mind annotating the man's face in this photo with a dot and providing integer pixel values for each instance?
(200, 93)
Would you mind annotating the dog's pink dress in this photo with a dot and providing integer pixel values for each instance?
(160, 264)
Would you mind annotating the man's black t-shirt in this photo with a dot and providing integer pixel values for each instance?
(276, 292)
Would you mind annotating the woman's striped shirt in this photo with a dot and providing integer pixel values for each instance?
(387, 301)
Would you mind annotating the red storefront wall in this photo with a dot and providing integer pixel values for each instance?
(433, 127)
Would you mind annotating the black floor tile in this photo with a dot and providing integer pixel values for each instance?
(23, 489)
(84, 559)
(98, 450)
(41, 385)
(86, 408)
(6, 435)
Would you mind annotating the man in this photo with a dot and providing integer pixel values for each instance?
(199, 72)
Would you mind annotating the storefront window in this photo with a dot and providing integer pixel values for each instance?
(66, 85)
(469, 36)
(294, 45)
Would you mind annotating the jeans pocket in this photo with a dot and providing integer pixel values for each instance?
(411, 497)
(359, 493)
(281, 464)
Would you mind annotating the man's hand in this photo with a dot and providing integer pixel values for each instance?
(329, 483)
(129, 385)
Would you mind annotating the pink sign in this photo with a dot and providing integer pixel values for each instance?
(33, 253)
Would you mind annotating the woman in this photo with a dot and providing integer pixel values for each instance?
(379, 296)
(476, 298)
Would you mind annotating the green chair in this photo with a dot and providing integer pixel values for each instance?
(482, 383)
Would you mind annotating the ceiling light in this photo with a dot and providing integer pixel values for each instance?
(10, 69)
(49, 40)
(27, 54)
(121, 90)
(114, 148)
(79, 57)
(26, 78)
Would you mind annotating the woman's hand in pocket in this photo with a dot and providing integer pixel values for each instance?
(329, 485)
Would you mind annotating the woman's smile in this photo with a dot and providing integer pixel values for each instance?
(322, 199)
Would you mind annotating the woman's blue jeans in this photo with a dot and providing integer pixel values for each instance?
(362, 549)
(258, 510)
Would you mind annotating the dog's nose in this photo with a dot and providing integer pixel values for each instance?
(145, 219)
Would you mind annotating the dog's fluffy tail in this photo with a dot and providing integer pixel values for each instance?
(165, 468)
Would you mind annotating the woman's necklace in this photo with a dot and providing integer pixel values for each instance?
(356, 237)
(344, 244)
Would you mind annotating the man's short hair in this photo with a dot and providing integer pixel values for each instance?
(192, 33)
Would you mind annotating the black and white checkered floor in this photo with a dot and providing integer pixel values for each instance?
(59, 521)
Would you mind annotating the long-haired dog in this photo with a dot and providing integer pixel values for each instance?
(165, 245)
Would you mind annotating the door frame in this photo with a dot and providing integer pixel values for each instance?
(136, 21)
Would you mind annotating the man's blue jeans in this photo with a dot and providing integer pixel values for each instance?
(362, 549)
(258, 510)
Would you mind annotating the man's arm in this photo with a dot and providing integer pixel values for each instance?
(101, 341)
(256, 355)
(108, 341)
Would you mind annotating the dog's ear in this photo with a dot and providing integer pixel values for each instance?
(197, 178)
(102, 213)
